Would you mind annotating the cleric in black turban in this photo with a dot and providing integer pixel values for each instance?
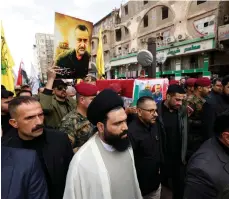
(103, 103)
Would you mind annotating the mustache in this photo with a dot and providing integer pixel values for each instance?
(123, 133)
(39, 126)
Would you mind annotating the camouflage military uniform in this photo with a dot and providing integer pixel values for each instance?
(195, 135)
(78, 128)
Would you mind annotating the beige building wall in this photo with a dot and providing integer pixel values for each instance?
(181, 24)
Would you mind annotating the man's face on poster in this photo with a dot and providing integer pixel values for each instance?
(82, 41)
(157, 88)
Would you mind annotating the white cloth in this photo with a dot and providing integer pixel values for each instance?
(87, 176)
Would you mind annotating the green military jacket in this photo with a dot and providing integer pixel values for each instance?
(78, 128)
(54, 111)
(196, 136)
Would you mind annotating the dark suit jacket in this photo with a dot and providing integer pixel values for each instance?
(207, 172)
(22, 176)
(211, 109)
(78, 68)
(183, 128)
(57, 153)
(148, 151)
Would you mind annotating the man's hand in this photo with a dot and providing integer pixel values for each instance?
(51, 74)
(52, 71)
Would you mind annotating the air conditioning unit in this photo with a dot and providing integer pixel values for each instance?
(181, 37)
(159, 35)
(170, 40)
(143, 40)
(226, 18)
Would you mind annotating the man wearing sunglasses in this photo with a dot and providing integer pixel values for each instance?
(146, 134)
(54, 100)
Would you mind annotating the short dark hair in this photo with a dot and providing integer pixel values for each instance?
(82, 27)
(225, 80)
(24, 87)
(17, 101)
(174, 88)
(143, 99)
(24, 91)
(221, 123)
(216, 80)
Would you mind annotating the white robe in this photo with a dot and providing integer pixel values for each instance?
(88, 177)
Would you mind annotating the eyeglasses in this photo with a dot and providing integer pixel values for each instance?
(151, 111)
(61, 87)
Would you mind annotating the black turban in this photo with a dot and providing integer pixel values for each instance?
(103, 103)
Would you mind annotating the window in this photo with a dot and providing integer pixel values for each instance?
(145, 2)
(126, 31)
(118, 34)
(165, 12)
(105, 39)
(145, 21)
(92, 45)
(199, 2)
(126, 10)
(206, 24)
(193, 61)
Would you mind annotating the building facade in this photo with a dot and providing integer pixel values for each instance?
(185, 32)
(43, 53)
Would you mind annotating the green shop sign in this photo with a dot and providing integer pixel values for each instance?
(193, 47)
(173, 52)
(178, 50)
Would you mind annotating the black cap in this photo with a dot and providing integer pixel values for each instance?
(58, 82)
(174, 88)
(103, 103)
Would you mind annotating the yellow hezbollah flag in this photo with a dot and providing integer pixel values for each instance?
(7, 62)
(99, 57)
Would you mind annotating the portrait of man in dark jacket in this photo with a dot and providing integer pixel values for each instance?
(76, 60)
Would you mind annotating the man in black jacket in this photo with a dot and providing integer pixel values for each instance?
(53, 147)
(215, 106)
(174, 117)
(217, 88)
(208, 169)
(21, 175)
(146, 134)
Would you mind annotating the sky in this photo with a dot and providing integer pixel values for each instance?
(23, 18)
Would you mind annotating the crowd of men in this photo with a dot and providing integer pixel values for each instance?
(82, 143)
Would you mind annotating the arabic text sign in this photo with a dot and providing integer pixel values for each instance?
(190, 48)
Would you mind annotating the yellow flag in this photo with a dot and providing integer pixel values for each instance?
(99, 57)
(7, 63)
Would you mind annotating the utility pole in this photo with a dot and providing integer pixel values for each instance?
(151, 44)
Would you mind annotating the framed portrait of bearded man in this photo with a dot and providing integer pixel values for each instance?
(72, 39)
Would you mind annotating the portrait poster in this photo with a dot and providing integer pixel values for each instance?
(72, 39)
(155, 88)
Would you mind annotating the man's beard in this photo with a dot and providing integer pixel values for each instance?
(120, 144)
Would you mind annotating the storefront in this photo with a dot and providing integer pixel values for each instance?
(187, 58)
(124, 66)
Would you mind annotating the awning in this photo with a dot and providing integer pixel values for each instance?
(128, 60)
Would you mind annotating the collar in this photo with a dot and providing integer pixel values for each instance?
(107, 146)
